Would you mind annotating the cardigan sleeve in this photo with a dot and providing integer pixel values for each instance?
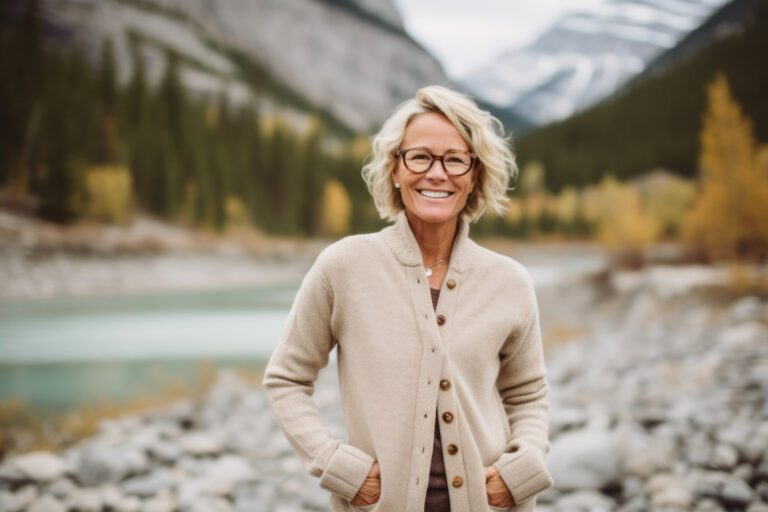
(289, 380)
(522, 385)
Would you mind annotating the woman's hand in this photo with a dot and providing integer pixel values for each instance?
(370, 491)
(496, 489)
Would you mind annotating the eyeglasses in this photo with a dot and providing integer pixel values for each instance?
(454, 162)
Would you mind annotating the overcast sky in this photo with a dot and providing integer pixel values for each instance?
(463, 34)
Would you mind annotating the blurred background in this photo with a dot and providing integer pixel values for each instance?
(169, 170)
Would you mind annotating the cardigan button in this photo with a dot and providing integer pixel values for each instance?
(451, 284)
(445, 384)
(453, 449)
(447, 417)
(440, 319)
(457, 482)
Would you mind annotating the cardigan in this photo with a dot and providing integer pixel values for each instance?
(476, 361)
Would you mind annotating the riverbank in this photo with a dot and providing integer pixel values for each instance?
(43, 260)
(658, 402)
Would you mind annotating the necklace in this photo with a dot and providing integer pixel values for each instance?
(429, 268)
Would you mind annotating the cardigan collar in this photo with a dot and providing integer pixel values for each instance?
(400, 239)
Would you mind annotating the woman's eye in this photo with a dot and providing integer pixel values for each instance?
(420, 157)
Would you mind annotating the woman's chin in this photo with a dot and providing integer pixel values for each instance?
(434, 215)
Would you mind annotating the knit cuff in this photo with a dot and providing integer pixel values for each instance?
(346, 471)
(524, 472)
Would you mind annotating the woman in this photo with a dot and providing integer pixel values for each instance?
(438, 340)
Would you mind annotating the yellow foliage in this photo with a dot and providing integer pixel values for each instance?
(566, 204)
(729, 218)
(532, 178)
(514, 211)
(110, 193)
(361, 147)
(237, 213)
(668, 198)
(337, 209)
(623, 222)
(535, 204)
(212, 116)
(761, 159)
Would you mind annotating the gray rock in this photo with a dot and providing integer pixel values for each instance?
(85, 500)
(46, 504)
(584, 459)
(163, 502)
(165, 451)
(757, 506)
(61, 487)
(591, 501)
(151, 484)
(228, 471)
(111, 497)
(636, 504)
(39, 466)
(566, 417)
(745, 309)
(736, 493)
(210, 504)
(100, 465)
(200, 443)
(129, 504)
(10, 502)
(709, 505)
(743, 336)
(644, 455)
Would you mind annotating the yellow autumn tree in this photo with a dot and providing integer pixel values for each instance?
(624, 222)
(337, 209)
(729, 217)
(109, 193)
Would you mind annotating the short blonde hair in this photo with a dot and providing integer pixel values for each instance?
(480, 130)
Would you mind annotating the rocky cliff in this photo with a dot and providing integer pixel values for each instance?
(349, 58)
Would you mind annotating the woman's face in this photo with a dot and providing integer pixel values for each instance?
(447, 194)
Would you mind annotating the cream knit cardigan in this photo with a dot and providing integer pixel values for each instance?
(368, 296)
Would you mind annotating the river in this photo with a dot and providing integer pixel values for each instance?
(59, 354)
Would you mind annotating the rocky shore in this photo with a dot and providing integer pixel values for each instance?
(41, 260)
(659, 403)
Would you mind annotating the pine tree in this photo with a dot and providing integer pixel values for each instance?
(728, 219)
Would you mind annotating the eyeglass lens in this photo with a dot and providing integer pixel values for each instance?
(454, 162)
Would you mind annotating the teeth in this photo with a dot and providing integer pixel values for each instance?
(430, 193)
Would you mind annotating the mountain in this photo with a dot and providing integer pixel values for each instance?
(655, 120)
(349, 60)
(585, 57)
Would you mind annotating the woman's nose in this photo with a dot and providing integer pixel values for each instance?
(436, 172)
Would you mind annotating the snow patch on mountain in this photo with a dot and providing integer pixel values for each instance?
(585, 57)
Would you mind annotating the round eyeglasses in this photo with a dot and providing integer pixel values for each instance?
(454, 162)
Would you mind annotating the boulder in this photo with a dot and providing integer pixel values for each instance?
(584, 459)
(39, 466)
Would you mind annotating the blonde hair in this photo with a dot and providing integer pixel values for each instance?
(480, 130)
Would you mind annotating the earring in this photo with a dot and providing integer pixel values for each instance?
(397, 186)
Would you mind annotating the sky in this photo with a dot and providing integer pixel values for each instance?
(463, 38)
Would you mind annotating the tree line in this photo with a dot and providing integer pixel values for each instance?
(73, 131)
(655, 122)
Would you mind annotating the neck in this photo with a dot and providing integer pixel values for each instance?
(435, 240)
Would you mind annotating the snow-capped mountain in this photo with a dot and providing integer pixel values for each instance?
(585, 57)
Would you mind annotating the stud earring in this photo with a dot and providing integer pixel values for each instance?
(397, 186)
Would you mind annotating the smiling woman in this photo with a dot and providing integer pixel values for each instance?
(438, 342)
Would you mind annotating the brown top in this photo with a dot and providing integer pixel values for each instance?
(437, 489)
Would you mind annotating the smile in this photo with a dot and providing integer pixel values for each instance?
(434, 194)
